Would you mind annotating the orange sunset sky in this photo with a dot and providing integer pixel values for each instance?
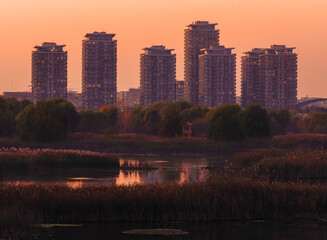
(243, 24)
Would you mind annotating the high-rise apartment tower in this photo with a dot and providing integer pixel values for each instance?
(49, 72)
(269, 77)
(99, 70)
(179, 90)
(252, 91)
(197, 36)
(157, 75)
(217, 79)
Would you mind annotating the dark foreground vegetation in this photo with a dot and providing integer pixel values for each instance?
(22, 159)
(219, 199)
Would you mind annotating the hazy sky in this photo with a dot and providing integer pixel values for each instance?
(243, 24)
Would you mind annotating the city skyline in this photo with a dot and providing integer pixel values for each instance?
(285, 23)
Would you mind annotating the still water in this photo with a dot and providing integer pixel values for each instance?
(166, 169)
(203, 231)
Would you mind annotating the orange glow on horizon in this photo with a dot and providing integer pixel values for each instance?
(243, 24)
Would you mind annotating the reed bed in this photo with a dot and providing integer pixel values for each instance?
(13, 159)
(284, 164)
(130, 143)
(294, 141)
(220, 199)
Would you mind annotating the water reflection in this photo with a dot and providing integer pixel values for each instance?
(75, 184)
(128, 178)
(166, 169)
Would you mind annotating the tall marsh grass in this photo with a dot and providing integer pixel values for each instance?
(130, 143)
(284, 164)
(12, 159)
(294, 141)
(219, 199)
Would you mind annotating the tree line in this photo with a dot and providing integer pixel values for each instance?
(53, 119)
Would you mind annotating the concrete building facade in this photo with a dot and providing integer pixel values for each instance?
(19, 95)
(278, 70)
(252, 88)
(99, 70)
(198, 35)
(49, 72)
(75, 98)
(271, 79)
(157, 75)
(128, 99)
(217, 76)
(180, 90)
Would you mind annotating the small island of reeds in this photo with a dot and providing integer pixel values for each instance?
(21, 159)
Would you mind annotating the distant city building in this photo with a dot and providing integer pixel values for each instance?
(158, 75)
(49, 72)
(121, 100)
(278, 69)
(238, 100)
(75, 98)
(99, 70)
(19, 95)
(128, 99)
(197, 36)
(133, 97)
(252, 88)
(179, 90)
(217, 79)
(269, 77)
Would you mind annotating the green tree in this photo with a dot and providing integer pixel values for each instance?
(171, 125)
(182, 105)
(16, 106)
(193, 113)
(200, 127)
(225, 123)
(7, 119)
(92, 121)
(48, 120)
(318, 122)
(111, 113)
(137, 120)
(25, 123)
(279, 121)
(151, 121)
(255, 122)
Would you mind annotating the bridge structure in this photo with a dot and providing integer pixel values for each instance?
(308, 102)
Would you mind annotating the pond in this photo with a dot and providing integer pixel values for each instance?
(164, 170)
